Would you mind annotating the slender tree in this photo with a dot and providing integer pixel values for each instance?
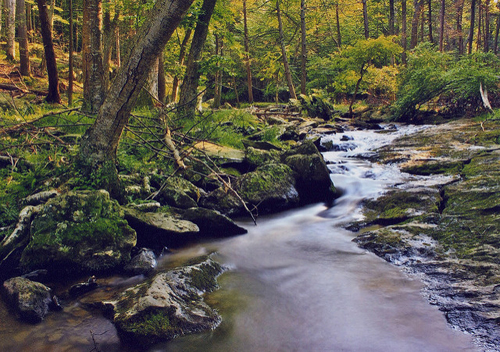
(391, 17)
(182, 57)
(365, 19)
(10, 23)
(497, 30)
(50, 57)
(288, 74)
(459, 14)
(404, 41)
(71, 55)
(303, 61)
(441, 25)
(247, 53)
(471, 28)
(22, 34)
(487, 26)
(429, 20)
(417, 5)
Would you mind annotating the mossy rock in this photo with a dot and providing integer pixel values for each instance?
(258, 157)
(435, 167)
(179, 192)
(168, 305)
(77, 232)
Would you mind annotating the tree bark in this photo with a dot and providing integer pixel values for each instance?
(460, 11)
(471, 29)
(10, 23)
(497, 31)
(22, 32)
(303, 61)
(479, 25)
(429, 19)
(288, 74)
(404, 41)
(441, 25)
(50, 56)
(219, 44)
(189, 87)
(365, 19)
(99, 144)
(94, 87)
(182, 57)
(71, 55)
(487, 26)
(247, 54)
(417, 4)
(391, 17)
(162, 84)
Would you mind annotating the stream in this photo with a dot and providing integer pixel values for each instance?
(296, 282)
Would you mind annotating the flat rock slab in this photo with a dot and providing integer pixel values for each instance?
(217, 151)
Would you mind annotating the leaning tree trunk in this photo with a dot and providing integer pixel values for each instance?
(22, 31)
(10, 23)
(288, 74)
(99, 144)
(50, 56)
(189, 87)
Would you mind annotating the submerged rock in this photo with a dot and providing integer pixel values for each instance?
(79, 232)
(168, 305)
(30, 300)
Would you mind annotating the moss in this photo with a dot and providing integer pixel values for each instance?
(435, 168)
(266, 179)
(150, 327)
(204, 277)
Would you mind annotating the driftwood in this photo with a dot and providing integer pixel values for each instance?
(484, 97)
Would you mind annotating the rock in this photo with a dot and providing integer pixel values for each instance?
(157, 230)
(263, 145)
(79, 232)
(311, 174)
(213, 223)
(149, 206)
(28, 299)
(168, 305)
(142, 263)
(83, 287)
(258, 157)
(179, 193)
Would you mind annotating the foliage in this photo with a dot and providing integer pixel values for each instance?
(316, 104)
(431, 74)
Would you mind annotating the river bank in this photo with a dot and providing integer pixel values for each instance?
(441, 221)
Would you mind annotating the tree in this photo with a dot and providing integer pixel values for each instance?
(99, 144)
(182, 57)
(429, 19)
(71, 56)
(417, 6)
(189, 87)
(10, 23)
(22, 31)
(441, 25)
(404, 41)
(303, 57)
(471, 28)
(365, 19)
(288, 74)
(247, 54)
(50, 57)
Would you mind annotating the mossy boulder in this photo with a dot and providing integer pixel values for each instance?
(258, 157)
(83, 231)
(29, 300)
(311, 174)
(160, 229)
(168, 305)
(212, 223)
(180, 193)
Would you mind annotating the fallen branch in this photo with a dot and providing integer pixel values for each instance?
(13, 128)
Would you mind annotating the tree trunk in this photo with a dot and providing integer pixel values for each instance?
(71, 57)
(487, 26)
(162, 84)
(50, 56)
(288, 74)
(10, 23)
(51, 13)
(460, 11)
(479, 25)
(471, 29)
(429, 18)
(417, 4)
(303, 61)
(361, 74)
(2, 10)
(404, 42)
(118, 60)
(189, 87)
(182, 56)
(497, 30)
(218, 74)
(94, 87)
(441, 25)
(339, 36)
(22, 32)
(391, 17)
(99, 144)
(365, 19)
(247, 54)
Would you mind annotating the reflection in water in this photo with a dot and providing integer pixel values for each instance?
(297, 283)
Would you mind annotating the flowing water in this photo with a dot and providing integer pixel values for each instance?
(297, 283)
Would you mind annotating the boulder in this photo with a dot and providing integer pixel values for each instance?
(258, 157)
(179, 193)
(157, 230)
(212, 223)
(30, 300)
(311, 174)
(168, 305)
(142, 263)
(79, 232)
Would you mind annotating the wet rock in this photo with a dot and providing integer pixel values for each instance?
(79, 232)
(83, 287)
(142, 263)
(168, 305)
(157, 230)
(212, 223)
(30, 300)
(179, 193)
